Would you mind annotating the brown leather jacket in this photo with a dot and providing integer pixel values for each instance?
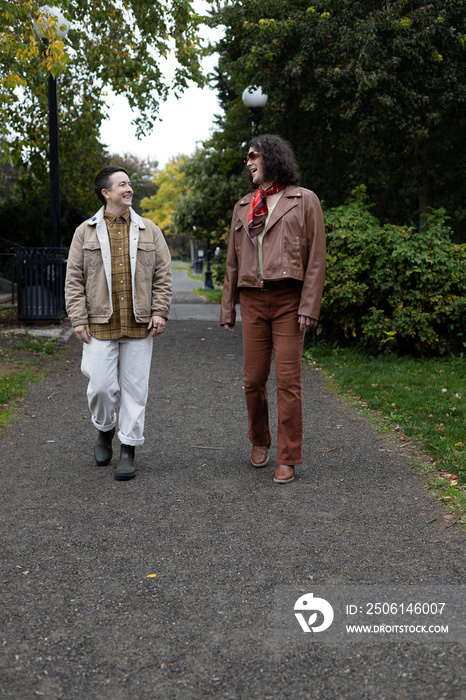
(293, 247)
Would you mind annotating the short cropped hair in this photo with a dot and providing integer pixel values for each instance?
(103, 182)
(278, 160)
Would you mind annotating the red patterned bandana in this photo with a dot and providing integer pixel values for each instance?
(259, 210)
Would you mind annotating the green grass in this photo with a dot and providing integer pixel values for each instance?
(423, 399)
(24, 360)
(14, 384)
(214, 296)
(8, 313)
(41, 346)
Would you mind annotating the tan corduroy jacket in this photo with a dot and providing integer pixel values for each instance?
(293, 247)
(88, 285)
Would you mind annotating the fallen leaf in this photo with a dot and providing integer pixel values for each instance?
(151, 575)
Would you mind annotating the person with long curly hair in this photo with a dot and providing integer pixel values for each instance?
(275, 264)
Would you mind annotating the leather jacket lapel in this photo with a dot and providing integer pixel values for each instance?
(243, 210)
(287, 201)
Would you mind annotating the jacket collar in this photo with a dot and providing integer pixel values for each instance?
(289, 199)
(99, 217)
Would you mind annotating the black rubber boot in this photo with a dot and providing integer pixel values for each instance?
(125, 469)
(103, 448)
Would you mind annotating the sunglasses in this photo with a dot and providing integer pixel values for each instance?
(251, 156)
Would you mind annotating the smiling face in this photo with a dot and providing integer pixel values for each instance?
(119, 196)
(256, 168)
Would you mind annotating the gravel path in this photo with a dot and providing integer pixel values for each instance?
(163, 587)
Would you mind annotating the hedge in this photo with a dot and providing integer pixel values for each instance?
(392, 287)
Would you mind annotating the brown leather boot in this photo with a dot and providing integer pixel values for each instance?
(259, 455)
(284, 474)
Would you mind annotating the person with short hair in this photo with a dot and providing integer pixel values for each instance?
(118, 290)
(275, 263)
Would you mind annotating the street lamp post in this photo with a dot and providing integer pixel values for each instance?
(47, 13)
(255, 100)
(55, 205)
(41, 270)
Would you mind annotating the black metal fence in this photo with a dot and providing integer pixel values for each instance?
(40, 278)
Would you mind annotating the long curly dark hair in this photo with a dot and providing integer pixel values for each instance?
(278, 159)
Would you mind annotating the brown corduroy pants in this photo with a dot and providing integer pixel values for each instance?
(270, 325)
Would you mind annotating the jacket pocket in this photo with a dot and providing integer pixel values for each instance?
(92, 255)
(239, 232)
(146, 254)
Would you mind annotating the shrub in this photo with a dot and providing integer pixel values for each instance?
(391, 287)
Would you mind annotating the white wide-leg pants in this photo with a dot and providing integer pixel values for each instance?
(114, 366)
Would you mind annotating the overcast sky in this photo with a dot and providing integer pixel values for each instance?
(185, 121)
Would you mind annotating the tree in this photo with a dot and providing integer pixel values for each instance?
(121, 46)
(171, 185)
(214, 186)
(195, 195)
(366, 92)
(81, 156)
(20, 54)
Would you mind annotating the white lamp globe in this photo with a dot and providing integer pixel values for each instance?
(47, 13)
(254, 98)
